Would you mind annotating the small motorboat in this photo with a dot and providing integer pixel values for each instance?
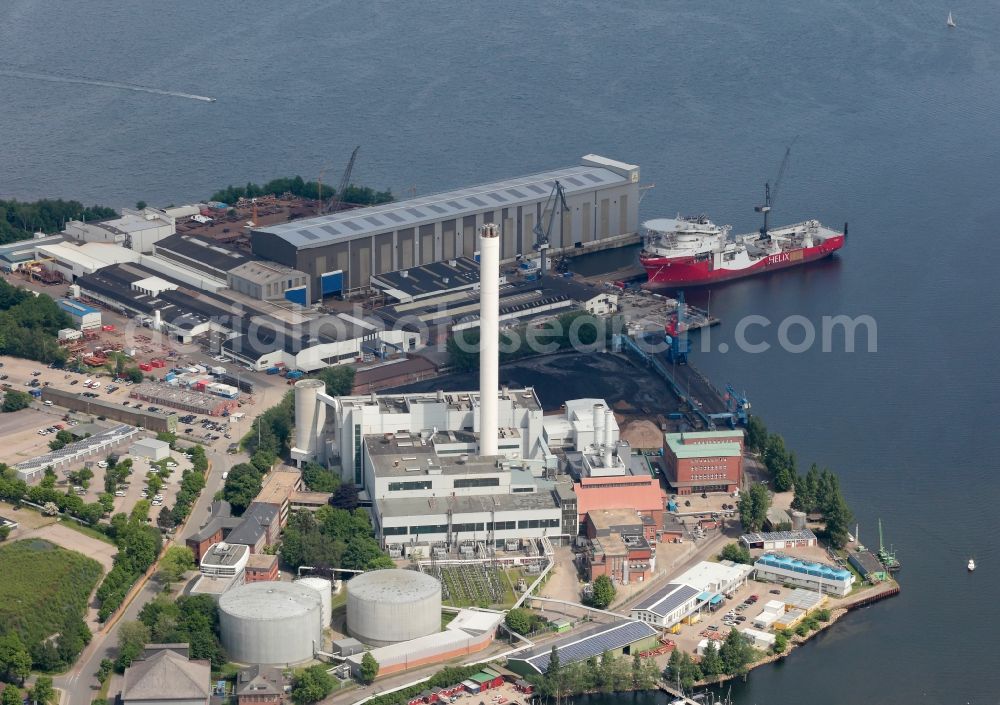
(972, 564)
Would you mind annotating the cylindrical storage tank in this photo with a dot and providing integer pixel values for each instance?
(798, 520)
(306, 427)
(388, 606)
(325, 589)
(271, 623)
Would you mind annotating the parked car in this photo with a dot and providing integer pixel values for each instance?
(119, 493)
(75, 381)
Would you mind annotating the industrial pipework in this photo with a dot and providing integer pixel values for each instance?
(489, 338)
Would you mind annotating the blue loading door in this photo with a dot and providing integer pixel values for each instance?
(332, 283)
(297, 295)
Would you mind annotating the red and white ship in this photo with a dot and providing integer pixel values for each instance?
(693, 251)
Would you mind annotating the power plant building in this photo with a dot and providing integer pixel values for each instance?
(342, 251)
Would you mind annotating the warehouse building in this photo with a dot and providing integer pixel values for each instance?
(270, 281)
(136, 230)
(76, 452)
(150, 448)
(342, 251)
(206, 256)
(166, 676)
(781, 568)
(779, 540)
(429, 281)
(869, 566)
(84, 317)
(703, 586)
(75, 401)
(18, 255)
(623, 638)
(73, 260)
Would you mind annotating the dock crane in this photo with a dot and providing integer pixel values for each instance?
(338, 196)
(771, 195)
(557, 198)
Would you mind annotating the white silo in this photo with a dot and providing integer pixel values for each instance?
(393, 605)
(489, 338)
(310, 415)
(271, 623)
(325, 589)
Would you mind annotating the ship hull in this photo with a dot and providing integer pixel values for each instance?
(662, 271)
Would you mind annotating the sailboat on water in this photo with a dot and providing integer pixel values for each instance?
(951, 21)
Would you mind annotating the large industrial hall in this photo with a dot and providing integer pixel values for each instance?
(596, 204)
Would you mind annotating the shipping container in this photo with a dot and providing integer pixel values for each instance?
(145, 367)
(273, 370)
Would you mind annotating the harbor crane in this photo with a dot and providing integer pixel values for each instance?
(556, 199)
(771, 194)
(338, 196)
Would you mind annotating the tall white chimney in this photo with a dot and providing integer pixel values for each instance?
(609, 437)
(156, 320)
(489, 337)
(598, 424)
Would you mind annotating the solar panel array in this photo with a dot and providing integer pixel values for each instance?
(582, 648)
(666, 600)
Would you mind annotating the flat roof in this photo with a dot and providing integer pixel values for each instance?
(593, 642)
(525, 398)
(418, 506)
(608, 518)
(799, 565)
(224, 554)
(278, 486)
(203, 254)
(761, 536)
(429, 279)
(75, 307)
(91, 255)
(347, 225)
(261, 561)
(681, 449)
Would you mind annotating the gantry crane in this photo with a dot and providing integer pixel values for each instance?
(556, 199)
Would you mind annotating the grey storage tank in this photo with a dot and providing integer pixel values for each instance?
(798, 520)
(388, 606)
(271, 623)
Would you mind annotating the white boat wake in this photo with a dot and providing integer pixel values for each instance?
(34, 75)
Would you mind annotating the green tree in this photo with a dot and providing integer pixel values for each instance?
(133, 374)
(780, 643)
(756, 434)
(105, 669)
(604, 592)
(242, 487)
(736, 552)
(140, 205)
(753, 505)
(15, 661)
(43, 693)
(176, 562)
(4, 532)
(132, 640)
(369, 668)
(711, 662)
(319, 479)
(519, 621)
(735, 654)
(311, 685)
(14, 400)
(553, 681)
(11, 695)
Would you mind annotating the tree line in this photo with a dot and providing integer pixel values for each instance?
(731, 658)
(138, 546)
(608, 674)
(19, 220)
(29, 325)
(358, 195)
(815, 492)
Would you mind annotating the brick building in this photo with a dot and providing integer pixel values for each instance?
(619, 545)
(705, 461)
(259, 567)
(260, 685)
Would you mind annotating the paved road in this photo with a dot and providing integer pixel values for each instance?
(79, 686)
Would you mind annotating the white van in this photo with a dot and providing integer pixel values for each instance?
(95, 385)
(225, 475)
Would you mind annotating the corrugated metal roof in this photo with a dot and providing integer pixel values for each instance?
(667, 599)
(579, 648)
(347, 225)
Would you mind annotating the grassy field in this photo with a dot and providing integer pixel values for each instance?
(39, 582)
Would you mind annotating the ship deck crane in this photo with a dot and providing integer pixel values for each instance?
(771, 194)
(338, 196)
(557, 198)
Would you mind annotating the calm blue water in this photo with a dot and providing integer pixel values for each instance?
(897, 133)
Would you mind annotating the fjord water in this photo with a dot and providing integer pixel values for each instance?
(895, 119)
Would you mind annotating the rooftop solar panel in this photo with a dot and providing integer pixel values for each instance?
(498, 198)
(536, 189)
(393, 217)
(436, 208)
(667, 599)
(573, 180)
(416, 212)
(352, 225)
(455, 204)
(592, 178)
(478, 201)
(375, 221)
(515, 193)
(330, 229)
(310, 235)
(595, 644)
